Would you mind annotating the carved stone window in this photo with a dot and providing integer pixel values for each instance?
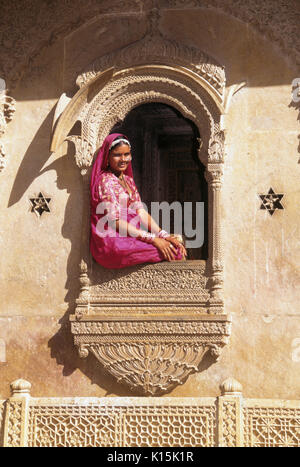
(151, 325)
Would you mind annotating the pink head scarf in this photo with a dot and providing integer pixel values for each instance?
(100, 247)
(100, 166)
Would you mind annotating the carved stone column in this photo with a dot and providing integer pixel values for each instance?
(83, 158)
(85, 254)
(213, 159)
(213, 176)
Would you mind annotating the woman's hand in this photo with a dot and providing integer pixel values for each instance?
(174, 241)
(164, 246)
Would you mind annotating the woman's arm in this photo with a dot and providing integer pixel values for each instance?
(150, 224)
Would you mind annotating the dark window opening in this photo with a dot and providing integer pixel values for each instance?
(165, 162)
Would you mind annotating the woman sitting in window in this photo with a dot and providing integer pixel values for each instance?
(122, 232)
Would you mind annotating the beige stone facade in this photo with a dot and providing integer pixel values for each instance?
(231, 69)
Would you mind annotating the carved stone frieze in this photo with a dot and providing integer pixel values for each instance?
(124, 327)
(150, 355)
(160, 277)
(159, 289)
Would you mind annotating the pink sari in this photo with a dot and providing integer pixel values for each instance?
(113, 250)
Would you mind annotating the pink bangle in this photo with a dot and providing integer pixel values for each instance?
(147, 237)
(163, 234)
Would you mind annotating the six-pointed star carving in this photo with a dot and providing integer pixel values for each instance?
(40, 204)
(271, 201)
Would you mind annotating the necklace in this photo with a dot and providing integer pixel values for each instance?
(125, 185)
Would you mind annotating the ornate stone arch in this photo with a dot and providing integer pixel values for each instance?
(150, 326)
(139, 85)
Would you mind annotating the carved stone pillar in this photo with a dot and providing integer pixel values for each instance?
(213, 159)
(230, 414)
(16, 415)
(83, 158)
(213, 176)
(85, 253)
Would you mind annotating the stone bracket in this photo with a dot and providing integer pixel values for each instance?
(150, 354)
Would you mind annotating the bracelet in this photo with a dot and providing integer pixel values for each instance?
(163, 234)
(147, 237)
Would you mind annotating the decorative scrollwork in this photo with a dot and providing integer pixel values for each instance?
(149, 368)
(84, 152)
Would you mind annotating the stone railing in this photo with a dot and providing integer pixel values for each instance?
(227, 421)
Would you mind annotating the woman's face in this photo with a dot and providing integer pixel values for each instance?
(119, 158)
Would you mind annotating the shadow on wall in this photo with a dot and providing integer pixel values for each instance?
(34, 159)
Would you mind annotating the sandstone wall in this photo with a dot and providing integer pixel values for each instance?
(40, 256)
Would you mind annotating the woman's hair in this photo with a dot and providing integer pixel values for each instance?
(117, 142)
